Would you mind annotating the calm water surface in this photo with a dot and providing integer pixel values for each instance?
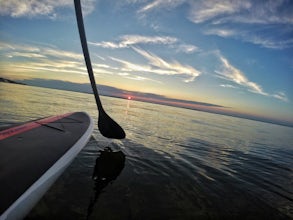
(179, 163)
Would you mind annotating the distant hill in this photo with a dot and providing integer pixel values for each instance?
(10, 81)
(144, 97)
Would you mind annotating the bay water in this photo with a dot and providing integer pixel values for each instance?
(179, 163)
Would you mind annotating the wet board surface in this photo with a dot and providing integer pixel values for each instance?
(34, 154)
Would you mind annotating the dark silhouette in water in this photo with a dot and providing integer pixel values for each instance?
(108, 166)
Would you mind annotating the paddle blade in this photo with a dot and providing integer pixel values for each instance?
(109, 128)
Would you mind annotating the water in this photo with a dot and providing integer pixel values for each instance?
(180, 164)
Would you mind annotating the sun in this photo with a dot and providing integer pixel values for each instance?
(129, 98)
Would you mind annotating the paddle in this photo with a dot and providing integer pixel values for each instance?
(107, 126)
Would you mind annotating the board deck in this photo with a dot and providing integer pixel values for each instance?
(34, 154)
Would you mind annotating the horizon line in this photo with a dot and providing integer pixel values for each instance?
(159, 99)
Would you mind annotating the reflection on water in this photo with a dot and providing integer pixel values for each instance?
(181, 164)
(107, 168)
(127, 107)
(24, 103)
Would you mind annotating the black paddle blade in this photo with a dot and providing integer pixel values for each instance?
(109, 128)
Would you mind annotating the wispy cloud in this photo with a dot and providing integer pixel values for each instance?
(132, 67)
(282, 96)
(24, 54)
(248, 36)
(127, 41)
(221, 32)
(55, 53)
(21, 58)
(248, 18)
(248, 21)
(173, 67)
(231, 73)
(267, 42)
(166, 4)
(49, 66)
(29, 51)
(141, 78)
(28, 58)
(45, 8)
(237, 11)
(186, 48)
(228, 86)
(159, 66)
(200, 10)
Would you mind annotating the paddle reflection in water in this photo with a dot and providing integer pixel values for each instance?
(108, 166)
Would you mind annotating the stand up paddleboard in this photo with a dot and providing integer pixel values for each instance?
(33, 155)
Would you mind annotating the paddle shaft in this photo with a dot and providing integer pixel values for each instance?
(86, 54)
(107, 126)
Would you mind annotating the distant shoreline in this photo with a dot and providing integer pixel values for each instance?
(10, 81)
(236, 115)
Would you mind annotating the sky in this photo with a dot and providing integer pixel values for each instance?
(233, 55)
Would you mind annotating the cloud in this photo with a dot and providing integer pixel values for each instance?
(8, 46)
(24, 54)
(29, 51)
(140, 78)
(137, 39)
(221, 32)
(159, 66)
(228, 86)
(253, 21)
(126, 41)
(20, 58)
(132, 67)
(267, 42)
(186, 48)
(202, 11)
(231, 73)
(166, 4)
(238, 11)
(60, 67)
(248, 21)
(106, 44)
(129, 40)
(28, 58)
(61, 54)
(45, 8)
(282, 96)
(251, 37)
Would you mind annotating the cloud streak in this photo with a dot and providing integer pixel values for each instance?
(248, 21)
(159, 66)
(28, 58)
(127, 41)
(17, 50)
(248, 18)
(230, 73)
(45, 8)
(202, 11)
(227, 11)
(247, 36)
(157, 4)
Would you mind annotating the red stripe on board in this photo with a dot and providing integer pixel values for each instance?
(28, 126)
